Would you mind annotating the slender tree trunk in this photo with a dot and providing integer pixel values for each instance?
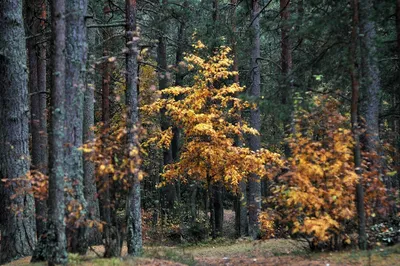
(37, 88)
(241, 198)
(371, 80)
(300, 19)
(134, 216)
(17, 219)
(286, 52)
(179, 58)
(234, 41)
(396, 98)
(355, 85)
(398, 25)
(105, 93)
(216, 205)
(210, 196)
(218, 208)
(215, 11)
(56, 239)
(286, 67)
(179, 82)
(193, 197)
(89, 179)
(254, 197)
(76, 54)
(169, 190)
(111, 235)
(243, 217)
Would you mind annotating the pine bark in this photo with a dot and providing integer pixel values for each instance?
(89, 179)
(371, 82)
(396, 98)
(37, 87)
(17, 220)
(56, 238)
(76, 54)
(254, 182)
(355, 85)
(134, 216)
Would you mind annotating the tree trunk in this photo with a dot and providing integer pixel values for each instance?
(17, 220)
(179, 82)
(243, 217)
(111, 235)
(286, 67)
(371, 80)
(37, 88)
(134, 216)
(210, 196)
(76, 54)
(193, 197)
(179, 58)
(89, 180)
(56, 239)
(169, 190)
(218, 208)
(286, 52)
(396, 100)
(355, 85)
(254, 197)
(241, 198)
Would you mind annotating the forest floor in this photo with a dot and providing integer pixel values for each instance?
(240, 252)
(228, 251)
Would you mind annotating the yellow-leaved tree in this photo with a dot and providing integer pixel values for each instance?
(207, 112)
(319, 190)
(317, 195)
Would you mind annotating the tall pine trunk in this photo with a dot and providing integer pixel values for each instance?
(355, 85)
(371, 82)
(56, 239)
(37, 88)
(254, 197)
(76, 54)
(241, 218)
(89, 179)
(134, 216)
(17, 222)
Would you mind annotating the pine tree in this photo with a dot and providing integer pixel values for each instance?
(17, 222)
(56, 238)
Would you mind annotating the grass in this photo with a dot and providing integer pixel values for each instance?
(170, 254)
(271, 247)
(241, 252)
(378, 256)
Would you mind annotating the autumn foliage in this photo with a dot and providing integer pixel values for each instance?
(207, 112)
(317, 195)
